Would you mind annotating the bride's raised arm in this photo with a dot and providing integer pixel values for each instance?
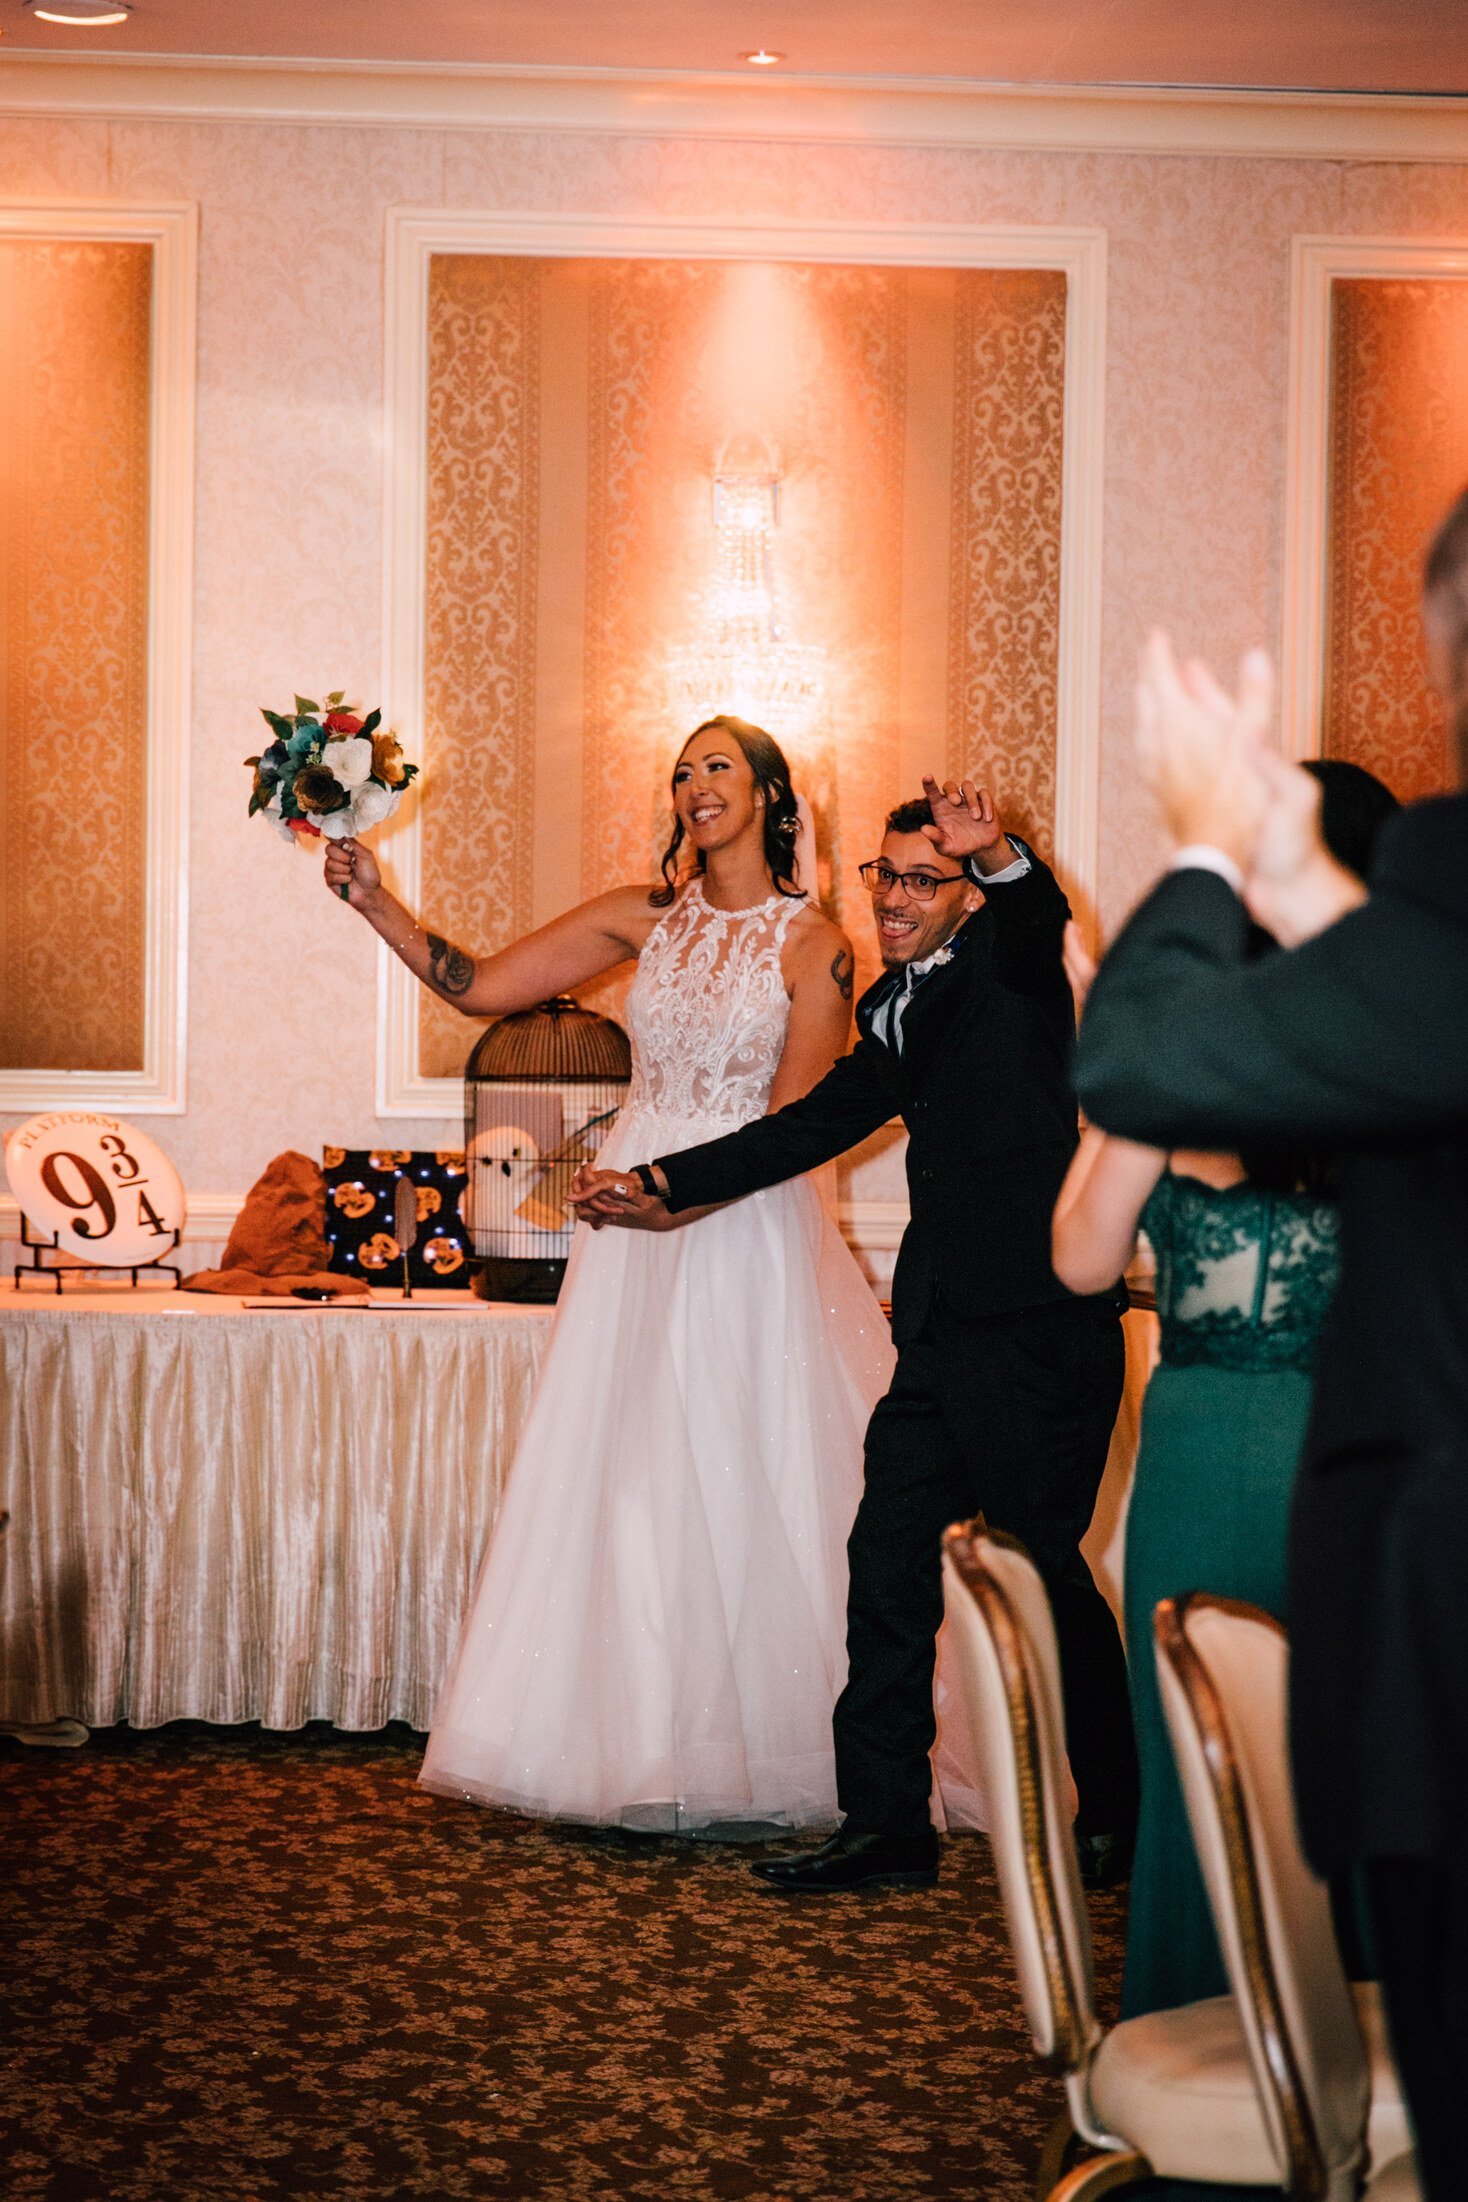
(552, 960)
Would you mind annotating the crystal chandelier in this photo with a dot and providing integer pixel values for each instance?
(744, 665)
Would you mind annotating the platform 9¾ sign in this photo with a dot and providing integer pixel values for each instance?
(97, 1186)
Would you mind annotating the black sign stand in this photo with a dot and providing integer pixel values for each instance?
(55, 1271)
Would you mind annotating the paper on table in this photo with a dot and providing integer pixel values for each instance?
(283, 1300)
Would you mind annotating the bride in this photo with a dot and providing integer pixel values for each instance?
(656, 1640)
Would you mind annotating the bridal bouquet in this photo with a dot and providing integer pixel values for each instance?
(328, 771)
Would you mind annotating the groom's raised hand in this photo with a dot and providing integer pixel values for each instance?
(966, 823)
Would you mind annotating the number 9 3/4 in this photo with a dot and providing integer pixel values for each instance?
(97, 1187)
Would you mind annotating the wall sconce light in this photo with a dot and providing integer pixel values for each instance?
(744, 664)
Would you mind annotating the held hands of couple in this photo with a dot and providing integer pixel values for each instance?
(1211, 764)
(601, 1197)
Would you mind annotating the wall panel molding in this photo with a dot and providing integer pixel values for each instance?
(1316, 263)
(158, 1088)
(415, 235)
(668, 103)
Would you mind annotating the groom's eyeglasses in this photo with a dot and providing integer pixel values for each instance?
(880, 879)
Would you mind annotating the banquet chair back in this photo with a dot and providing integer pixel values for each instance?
(1003, 1638)
(1222, 1669)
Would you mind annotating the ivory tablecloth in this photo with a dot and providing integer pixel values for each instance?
(226, 1514)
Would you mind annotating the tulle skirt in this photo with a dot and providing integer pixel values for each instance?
(657, 1636)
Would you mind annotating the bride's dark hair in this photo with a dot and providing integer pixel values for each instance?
(766, 760)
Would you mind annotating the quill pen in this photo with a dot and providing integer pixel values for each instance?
(405, 1226)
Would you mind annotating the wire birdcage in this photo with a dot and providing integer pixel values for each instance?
(541, 1090)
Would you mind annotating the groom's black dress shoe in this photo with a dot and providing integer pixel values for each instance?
(853, 1861)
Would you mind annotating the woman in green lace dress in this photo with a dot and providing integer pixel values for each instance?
(1247, 1256)
(1244, 1277)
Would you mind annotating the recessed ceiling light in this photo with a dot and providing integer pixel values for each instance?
(81, 11)
(762, 59)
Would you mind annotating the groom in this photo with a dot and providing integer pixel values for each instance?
(1006, 1387)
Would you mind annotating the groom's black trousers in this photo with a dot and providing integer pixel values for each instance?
(1011, 1417)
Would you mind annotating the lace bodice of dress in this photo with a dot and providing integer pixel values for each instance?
(1244, 1277)
(708, 1011)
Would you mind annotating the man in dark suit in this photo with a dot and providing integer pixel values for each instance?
(1006, 1386)
(1358, 1036)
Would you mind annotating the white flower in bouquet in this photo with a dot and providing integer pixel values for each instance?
(371, 803)
(348, 760)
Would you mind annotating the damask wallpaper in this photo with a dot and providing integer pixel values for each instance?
(74, 485)
(479, 610)
(1398, 457)
(1004, 606)
(576, 412)
(288, 553)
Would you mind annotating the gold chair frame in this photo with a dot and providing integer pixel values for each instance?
(1075, 2042)
(1308, 2173)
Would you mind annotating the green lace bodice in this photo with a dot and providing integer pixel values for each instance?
(1244, 1277)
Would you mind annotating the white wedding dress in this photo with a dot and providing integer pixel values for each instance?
(657, 1636)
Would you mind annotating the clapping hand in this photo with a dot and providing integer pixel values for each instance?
(1295, 887)
(1219, 780)
(614, 1196)
(1080, 964)
(965, 823)
(1198, 748)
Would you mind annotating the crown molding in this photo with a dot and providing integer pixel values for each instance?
(658, 103)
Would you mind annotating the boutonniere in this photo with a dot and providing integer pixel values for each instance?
(944, 955)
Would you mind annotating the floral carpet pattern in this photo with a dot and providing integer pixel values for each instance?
(255, 1965)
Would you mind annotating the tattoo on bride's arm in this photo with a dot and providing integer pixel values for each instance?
(449, 969)
(843, 971)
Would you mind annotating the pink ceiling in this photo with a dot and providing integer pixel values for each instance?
(1353, 45)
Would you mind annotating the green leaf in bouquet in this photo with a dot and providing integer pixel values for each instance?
(370, 724)
(336, 699)
(279, 724)
(304, 707)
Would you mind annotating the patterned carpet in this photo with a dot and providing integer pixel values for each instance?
(257, 1966)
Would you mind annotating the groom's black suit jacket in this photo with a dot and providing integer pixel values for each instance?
(1359, 1037)
(983, 1086)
